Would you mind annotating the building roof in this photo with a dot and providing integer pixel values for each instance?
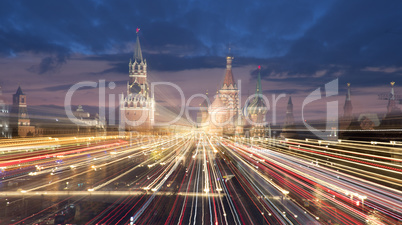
(290, 101)
(204, 105)
(229, 80)
(137, 50)
(217, 103)
(19, 91)
(257, 106)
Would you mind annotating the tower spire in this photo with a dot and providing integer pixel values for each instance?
(19, 90)
(229, 80)
(348, 94)
(392, 93)
(137, 51)
(258, 90)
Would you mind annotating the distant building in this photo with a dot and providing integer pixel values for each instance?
(20, 122)
(393, 118)
(375, 126)
(89, 123)
(5, 129)
(137, 108)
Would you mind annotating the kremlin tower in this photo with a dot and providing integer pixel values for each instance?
(20, 122)
(137, 107)
(288, 130)
(289, 119)
(348, 108)
(391, 107)
(257, 111)
(346, 120)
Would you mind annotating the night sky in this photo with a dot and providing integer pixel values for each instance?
(47, 46)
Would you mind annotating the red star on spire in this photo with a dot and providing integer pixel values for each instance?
(138, 30)
(259, 67)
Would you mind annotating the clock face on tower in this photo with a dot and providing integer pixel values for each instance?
(135, 88)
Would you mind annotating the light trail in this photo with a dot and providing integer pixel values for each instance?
(198, 178)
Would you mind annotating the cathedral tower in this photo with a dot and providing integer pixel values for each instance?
(229, 94)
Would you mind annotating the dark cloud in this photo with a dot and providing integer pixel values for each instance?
(48, 64)
(169, 62)
(301, 41)
(354, 32)
(349, 37)
(193, 28)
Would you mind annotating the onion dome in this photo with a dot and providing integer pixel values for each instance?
(257, 106)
